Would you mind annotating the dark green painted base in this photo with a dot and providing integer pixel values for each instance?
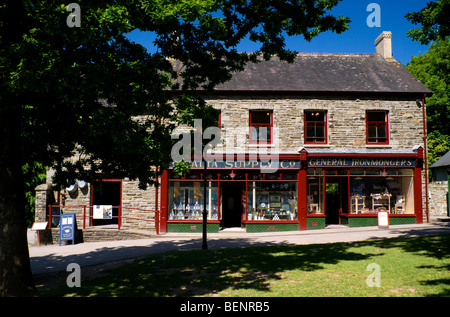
(315, 223)
(312, 223)
(402, 220)
(373, 221)
(271, 227)
(191, 227)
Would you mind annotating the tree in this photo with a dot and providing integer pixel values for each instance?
(433, 70)
(69, 90)
(434, 21)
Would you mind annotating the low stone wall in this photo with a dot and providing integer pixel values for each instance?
(93, 234)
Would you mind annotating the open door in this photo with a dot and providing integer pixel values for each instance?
(336, 199)
(107, 192)
(232, 205)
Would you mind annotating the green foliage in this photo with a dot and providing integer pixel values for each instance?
(434, 21)
(438, 145)
(34, 175)
(181, 168)
(433, 70)
(76, 90)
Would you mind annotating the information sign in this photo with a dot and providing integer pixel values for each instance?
(67, 227)
(39, 225)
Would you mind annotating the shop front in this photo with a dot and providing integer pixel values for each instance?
(239, 194)
(298, 192)
(352, 190)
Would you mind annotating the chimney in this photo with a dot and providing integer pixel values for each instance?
(383, 45)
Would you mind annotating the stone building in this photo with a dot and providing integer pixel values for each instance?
(330, 139)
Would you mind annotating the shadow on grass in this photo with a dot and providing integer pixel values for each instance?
(187, 272)
(202, 272)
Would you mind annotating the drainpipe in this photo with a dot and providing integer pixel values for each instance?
(448, 193)
(426, 156)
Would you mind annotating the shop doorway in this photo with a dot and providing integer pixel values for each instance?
(336, 199)
(107, 193)
(232, 200)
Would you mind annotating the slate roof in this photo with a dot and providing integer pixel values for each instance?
(327, 73)
(443, 161)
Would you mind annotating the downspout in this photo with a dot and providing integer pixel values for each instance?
(426, 156)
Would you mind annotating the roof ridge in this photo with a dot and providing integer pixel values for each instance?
(335, 54)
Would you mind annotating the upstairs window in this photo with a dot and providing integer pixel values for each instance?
(261, 125)
(315, 127)
(377, 127)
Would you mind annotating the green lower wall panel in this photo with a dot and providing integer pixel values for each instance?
(315, 223)
(270, 227)
(192, 227)
(373, 221)
(402, 220)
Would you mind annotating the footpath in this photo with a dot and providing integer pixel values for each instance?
(51, 259)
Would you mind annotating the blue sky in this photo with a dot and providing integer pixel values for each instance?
(358, 39)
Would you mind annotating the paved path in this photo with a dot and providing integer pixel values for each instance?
(55, 258)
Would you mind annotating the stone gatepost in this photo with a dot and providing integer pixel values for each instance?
(43, 193)
(43, 199)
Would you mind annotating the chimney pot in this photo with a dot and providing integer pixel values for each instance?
(383, 45)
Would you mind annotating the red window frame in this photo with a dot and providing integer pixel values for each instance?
(316, 125)
(258, 125)
(377, 131)
(219, 125)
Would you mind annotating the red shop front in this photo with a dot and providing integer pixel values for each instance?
(298, 191)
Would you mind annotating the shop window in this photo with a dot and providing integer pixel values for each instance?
(377, 127)
(261, 124)
(272, 201)
(186, 200)
(315, 127)
(392, 192)
(315, 195)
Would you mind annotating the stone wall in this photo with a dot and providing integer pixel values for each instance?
(437, 201)
(346, 121)
(138, 206)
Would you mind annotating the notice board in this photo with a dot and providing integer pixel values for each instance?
(103, 211)
(67, 227)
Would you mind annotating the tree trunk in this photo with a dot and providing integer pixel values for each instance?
(16, 278)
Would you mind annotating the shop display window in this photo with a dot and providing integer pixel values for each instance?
(374, 191)
(186, 200)
(314, 194)
(272, 201)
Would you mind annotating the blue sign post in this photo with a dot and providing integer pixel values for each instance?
(67, 227)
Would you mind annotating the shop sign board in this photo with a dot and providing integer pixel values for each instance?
(67, 227)
(249, 164)
(311, 162)
(361, 162)
(383, 219)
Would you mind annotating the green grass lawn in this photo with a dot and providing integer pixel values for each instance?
(407, 266)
